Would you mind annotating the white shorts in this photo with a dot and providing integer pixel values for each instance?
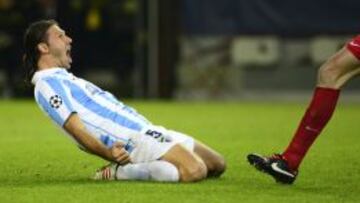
(155, 141)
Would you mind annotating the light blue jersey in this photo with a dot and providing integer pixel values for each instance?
(59, 94)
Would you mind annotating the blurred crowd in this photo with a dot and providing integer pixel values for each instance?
(102, 33)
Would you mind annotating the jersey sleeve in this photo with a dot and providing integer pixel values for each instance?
(54, 99)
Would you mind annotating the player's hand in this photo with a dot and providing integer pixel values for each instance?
(119, 154)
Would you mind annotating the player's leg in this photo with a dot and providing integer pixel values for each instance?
(159, 159)
(191, 167)
(332, 76)
(214, 162)
(341, 67)
(188, 165)
(177, 164)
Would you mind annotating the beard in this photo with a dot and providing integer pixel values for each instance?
(62, 58)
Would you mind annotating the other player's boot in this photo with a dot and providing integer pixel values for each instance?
(107, 172)
(274, 165)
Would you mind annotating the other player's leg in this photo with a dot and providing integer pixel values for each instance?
(332, 76)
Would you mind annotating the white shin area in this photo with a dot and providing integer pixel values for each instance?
(161, 171)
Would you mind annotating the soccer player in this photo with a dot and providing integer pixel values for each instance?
(332, 76)
(102, 125)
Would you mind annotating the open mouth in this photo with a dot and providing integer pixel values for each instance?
(68, 54)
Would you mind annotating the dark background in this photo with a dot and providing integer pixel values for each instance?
(133, 47)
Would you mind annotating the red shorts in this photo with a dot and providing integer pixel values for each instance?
(354, 46)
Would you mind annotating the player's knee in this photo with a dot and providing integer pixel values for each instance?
(219, 167)
(216, 166)
(329, 73)
(193, 173)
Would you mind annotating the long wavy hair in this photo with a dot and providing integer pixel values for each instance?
(36, 33)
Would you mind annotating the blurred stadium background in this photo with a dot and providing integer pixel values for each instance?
(187, 49)
(252, 52)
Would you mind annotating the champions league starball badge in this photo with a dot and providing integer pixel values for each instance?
(55, 101)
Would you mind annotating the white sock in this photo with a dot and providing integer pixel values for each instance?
(156, 170)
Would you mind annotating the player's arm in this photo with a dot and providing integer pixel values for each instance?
(76, 128)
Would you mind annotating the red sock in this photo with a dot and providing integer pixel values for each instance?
(316, 117)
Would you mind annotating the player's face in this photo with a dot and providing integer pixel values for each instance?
(59, 46)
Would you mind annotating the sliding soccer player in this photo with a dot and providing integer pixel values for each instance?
(102, 125)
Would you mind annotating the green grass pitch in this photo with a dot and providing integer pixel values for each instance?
(39, 164)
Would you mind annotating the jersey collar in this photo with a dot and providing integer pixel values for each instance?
(43, 73)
